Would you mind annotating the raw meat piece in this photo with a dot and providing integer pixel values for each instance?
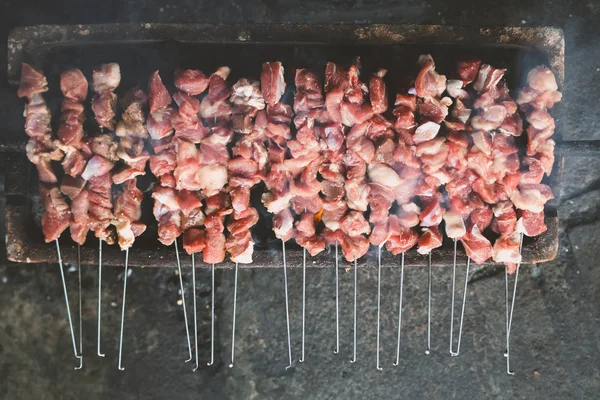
(191, 81)
(455, 225)
(428, 82)
(272, 82)
(33, 81)
(531, 223)
(430, 239)
(477, 247)
(506, 250)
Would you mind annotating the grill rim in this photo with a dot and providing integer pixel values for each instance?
(20, 248)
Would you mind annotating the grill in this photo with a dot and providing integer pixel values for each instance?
(142, 48)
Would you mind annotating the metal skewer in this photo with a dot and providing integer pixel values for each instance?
(287, 309)
(337, 303)
(512, 308)
(80, 310)
(123, 308)
(400, 311)
(212, 317)
(233, 323)
(195, 313)
(185, 318)
(462, 312)
(64, 283)
(99, 298)
(452, 301)
(506, 304)
(379, 368)
(355, 297)
(428, 350)
(303, 302)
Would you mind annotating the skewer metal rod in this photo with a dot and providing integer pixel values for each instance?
(212, 316)
(428, 350)
(80, 309)
(462, 312)
(303, 302)
(355, 298)
(512, 309)
(64, 284)
(287, 309)
(99, 352)
(452, 301)
(185, 318)
(379, 368)
(400, 311)
(506, 304)
(234, 310)
(337, 303)
(195, 312)
(121, 368)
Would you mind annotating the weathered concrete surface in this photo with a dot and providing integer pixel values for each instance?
(554, 344)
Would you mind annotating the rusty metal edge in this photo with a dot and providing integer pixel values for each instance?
(548, 40)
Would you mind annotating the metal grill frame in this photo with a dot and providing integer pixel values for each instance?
(22, 247)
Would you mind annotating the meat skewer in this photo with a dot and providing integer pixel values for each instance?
(401, 237)
(455, 221)
(307, 148)
(540, 94)
(455, 225)
(42, 148)
(370, 144)
(346, 106)
(492, 123)
(74, 87)
(432, 109)
(189, 129)
(277, 178)
(106, 79)
(166, 207)
(379, 104)
(245, 170)
(212, 176)
(132, 133)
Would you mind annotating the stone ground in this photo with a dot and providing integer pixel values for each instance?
(555, 342)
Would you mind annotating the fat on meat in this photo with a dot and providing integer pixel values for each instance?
(477, 247)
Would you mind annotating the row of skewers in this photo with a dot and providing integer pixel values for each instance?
(338, 170)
